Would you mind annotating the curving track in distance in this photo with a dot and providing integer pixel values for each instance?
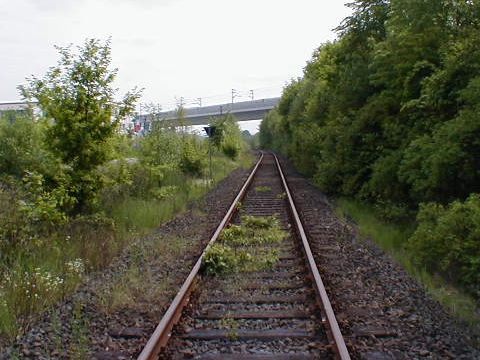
(282, 313)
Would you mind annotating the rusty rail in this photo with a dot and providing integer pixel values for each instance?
(335, 332)
(163, 330)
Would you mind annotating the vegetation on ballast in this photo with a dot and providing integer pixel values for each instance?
(447, 240)
(392, 237)
(388, 114)
(74, 190)
(263, 188)
(239, 246)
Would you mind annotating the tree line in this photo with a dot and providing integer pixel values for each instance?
(389, 114)
(75, 191)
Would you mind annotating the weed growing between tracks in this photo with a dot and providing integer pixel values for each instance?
(238, 249)
(263, 189)
(232, 326)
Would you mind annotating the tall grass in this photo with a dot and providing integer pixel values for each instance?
(391, 238)
(46, 269)
(140, 215)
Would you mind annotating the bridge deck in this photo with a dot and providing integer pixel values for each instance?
(243, 111)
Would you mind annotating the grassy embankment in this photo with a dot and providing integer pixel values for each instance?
(48, 268)
(391, 238)
(141, 215)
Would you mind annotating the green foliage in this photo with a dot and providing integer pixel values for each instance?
(254, 230)
(392, 238)
(74, 192)
(220, 260)
(253, 141)
(77, 95)
(388, 113)
(228, 137)
(234, 234)
(237, 248)
(260, 222)
(22, 148)
(15, 229)
(161, 146)
(43, 206)
(263, 188)
(194, 158)
(447, 240)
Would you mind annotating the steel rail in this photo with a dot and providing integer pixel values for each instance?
(163, 330)
(336, 334)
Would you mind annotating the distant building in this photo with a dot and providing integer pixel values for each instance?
(142, 124)
(19, 108)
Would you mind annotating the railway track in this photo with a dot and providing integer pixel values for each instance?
(281, 312)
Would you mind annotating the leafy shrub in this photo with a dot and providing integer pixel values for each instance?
(193, 160)
(447, 240)
(231, 149)
(165, 192)
(234, 234)
(146, 178)
(22, 148)
(43, 207)
(161, 146)
(220, 259)
(228, 137)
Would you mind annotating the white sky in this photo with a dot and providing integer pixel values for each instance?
(172, 48)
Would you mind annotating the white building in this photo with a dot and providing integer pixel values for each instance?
(20, 107)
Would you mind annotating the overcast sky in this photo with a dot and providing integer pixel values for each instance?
(172, 48)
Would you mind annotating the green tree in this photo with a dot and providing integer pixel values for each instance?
(388, 113)
(228, 137)
(78, 96)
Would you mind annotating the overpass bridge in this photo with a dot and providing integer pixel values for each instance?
(243, 111)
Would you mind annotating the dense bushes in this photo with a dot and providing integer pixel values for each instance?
(149, 179)
(447, 241)
(227, 137)
(389, 112)
(22, 146)
(74, 191)
(193, 158)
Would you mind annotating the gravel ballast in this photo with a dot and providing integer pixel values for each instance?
(382, 311)
(94, 324)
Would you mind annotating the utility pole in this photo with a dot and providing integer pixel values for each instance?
(199, 101)
(251, 94)
(234, 95)
(180, 101)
